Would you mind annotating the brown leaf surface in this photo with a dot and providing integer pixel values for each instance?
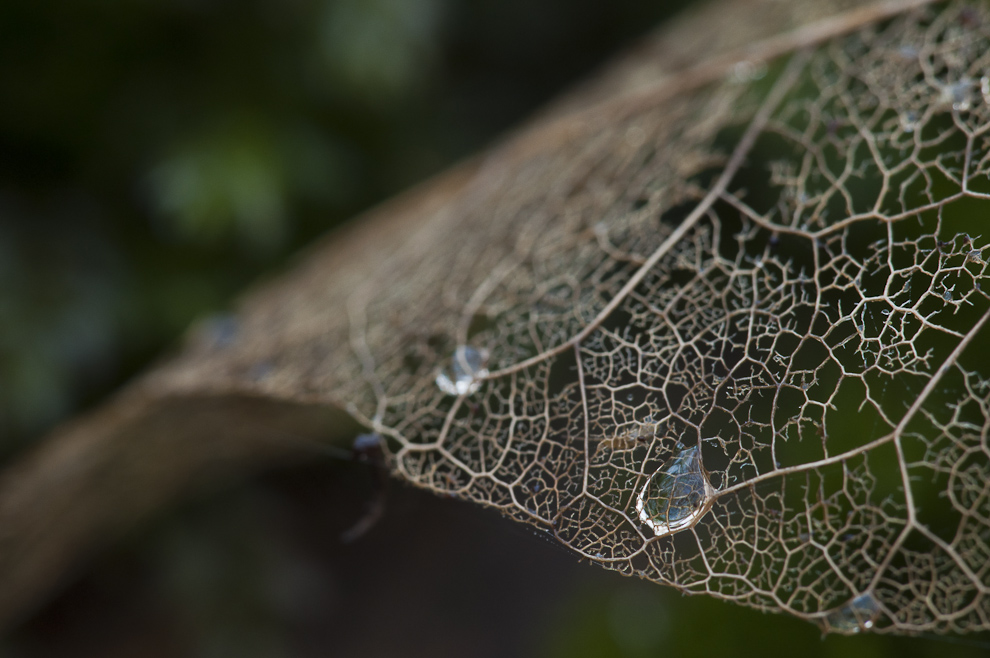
(764, 260)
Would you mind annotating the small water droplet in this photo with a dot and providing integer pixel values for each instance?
(221, 331)
(536, 487)
(676, 495)
(645, 428)
(908, 52)
(629, 398)
(909, 121)
(857, 615)
(366, 442)
(947, 295)
(958, 94)
(746, 71)
(468, 369)
(985, 89)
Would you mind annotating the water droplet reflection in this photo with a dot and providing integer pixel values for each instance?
(909, 121)
(957, 94)
(677, 495)
(859, 614)
(466, 372)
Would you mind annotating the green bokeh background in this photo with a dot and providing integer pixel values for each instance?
(156, 156)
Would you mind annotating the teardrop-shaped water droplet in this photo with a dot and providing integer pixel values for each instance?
(859, 614)
(677, 495)
(467, 370)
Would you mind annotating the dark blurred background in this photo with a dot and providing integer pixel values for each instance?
(156, 156)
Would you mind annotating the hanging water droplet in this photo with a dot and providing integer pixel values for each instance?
(468, 369)
(677, 495)
(947, 295)
(857, 615)
(909, 121)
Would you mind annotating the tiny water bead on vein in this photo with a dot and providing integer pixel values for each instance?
(467, 370)
(677, 495)
(859, 614)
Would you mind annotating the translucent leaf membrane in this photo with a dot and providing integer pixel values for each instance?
(784, 272)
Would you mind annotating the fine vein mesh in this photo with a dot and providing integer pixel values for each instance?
(783, 271)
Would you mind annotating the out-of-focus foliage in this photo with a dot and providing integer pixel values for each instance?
(156, 156)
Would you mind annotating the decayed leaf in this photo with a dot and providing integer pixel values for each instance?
(726, 334)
